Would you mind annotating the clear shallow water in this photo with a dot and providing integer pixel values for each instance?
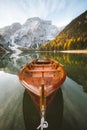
(11, 96)
(69, 107)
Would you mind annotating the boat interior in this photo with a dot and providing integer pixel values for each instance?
(41, 72)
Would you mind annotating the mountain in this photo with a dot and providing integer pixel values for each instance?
(73, 36)
(6, 33)
(2, 50)
(32, 33)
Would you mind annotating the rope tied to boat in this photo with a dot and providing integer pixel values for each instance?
(43, 124)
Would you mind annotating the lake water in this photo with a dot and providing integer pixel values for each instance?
(67, 111)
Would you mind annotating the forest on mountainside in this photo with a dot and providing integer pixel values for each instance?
(73, 36)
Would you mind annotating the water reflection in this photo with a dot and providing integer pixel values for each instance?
(75, 106)
(12, 64)
(68, 110)
(75, 64)
(54, 114)
(11, 96)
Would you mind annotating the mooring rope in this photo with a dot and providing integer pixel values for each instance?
(43, 124)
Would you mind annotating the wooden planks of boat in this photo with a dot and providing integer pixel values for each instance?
(42, 74)
(42, 78)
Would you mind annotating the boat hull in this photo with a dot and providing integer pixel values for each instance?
(41, 79)
(36, 99)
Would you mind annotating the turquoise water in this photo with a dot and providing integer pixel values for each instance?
(69, 107)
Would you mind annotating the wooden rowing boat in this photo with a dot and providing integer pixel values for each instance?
(42, 78)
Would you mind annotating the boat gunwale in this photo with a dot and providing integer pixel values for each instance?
(53, 70)
(31, 70)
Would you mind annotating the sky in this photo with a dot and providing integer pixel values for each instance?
(60, 12)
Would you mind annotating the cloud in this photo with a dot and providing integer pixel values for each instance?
(61, 12)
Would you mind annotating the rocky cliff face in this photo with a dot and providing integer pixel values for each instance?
(6, 33)
(32, 33)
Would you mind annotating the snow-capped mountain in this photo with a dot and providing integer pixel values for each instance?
(34, 32)
(7, 31)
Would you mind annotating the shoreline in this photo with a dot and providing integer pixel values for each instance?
(74, 51)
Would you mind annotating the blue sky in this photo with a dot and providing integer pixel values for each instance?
(60, 12)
